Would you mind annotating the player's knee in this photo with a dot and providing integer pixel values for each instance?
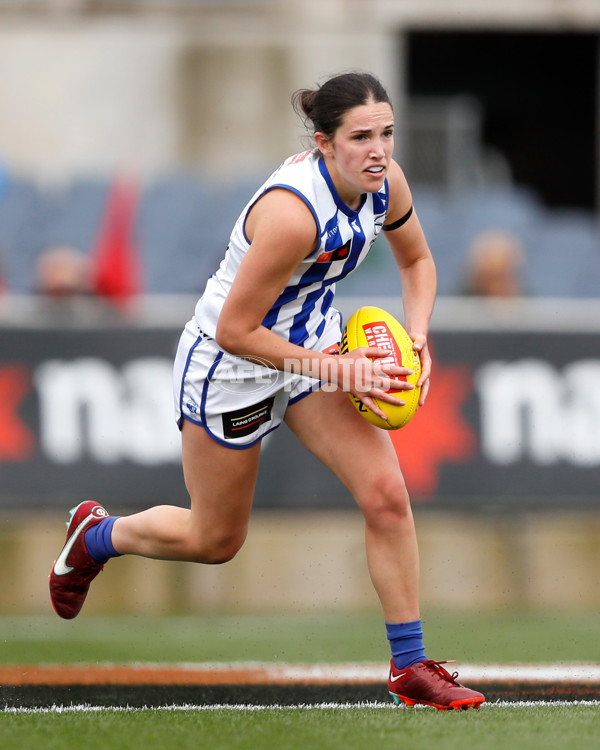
(220, 548)
(222, 553)
(387, 502)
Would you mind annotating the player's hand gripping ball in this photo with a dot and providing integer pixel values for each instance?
(373, 327)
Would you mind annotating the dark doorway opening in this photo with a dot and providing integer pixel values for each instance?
(537, 93)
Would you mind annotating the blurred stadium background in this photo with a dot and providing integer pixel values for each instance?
(132, 133)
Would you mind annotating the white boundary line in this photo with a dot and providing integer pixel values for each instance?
(278, 707)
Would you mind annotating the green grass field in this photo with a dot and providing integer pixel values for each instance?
(490, 638)
(490, 728)
(505, 638)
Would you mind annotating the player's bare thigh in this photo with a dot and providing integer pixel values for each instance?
(220, 481)
(360, 454)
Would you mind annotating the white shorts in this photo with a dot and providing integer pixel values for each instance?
(236, 401)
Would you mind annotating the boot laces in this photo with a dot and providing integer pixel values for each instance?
(441, 672)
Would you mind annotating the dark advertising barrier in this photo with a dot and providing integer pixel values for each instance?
(512, 422)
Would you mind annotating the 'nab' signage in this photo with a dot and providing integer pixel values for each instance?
(511, 420)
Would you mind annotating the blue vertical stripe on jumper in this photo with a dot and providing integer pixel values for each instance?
(298, 330)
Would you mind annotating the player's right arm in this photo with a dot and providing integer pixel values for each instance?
(282, 232)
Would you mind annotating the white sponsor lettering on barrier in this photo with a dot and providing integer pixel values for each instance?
(91, 408)
(532, 410)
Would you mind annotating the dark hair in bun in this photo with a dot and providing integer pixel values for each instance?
(326, 105)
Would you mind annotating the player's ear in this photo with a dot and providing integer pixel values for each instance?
(323, 144)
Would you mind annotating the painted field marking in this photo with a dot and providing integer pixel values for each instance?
(261, 673)
(278, 707)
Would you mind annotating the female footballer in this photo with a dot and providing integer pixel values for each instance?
(263, 339)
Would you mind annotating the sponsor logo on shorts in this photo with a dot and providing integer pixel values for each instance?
(243, 422)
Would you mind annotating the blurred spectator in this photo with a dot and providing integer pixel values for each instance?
(495, 265)
(63, 281)
(62, 272)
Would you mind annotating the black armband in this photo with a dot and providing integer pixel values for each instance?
(399, 222)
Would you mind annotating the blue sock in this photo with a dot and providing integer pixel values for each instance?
(98, 541)
(406, 641)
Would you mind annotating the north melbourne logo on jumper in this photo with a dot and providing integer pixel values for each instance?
(243, 422)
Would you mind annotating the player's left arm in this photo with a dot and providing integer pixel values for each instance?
(408, 244)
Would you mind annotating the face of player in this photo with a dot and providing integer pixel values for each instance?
(359, 154)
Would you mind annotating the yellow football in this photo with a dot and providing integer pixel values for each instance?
(371, 326)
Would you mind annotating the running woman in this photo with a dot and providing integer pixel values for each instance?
(261, 346)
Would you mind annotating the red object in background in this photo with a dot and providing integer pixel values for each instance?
(116, 272)
(438, 433)
(16, 440)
